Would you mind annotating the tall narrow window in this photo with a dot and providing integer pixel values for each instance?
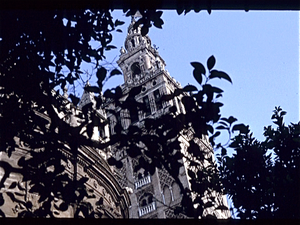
(118, 117)
(132, 42)
(157, 99)
(112, 124)
(179, 104)
(134, 115)
(175, 103)
(102, 132)
(147, 105)
(135, 69)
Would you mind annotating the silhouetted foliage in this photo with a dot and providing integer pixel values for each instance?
(262, 177)
(42, 51)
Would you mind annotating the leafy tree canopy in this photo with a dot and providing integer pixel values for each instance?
(42, 51)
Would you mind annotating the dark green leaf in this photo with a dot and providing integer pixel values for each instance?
(118, 92)
(222, 127)
(187, 10)
(90, 130)
(242, 128)
(19, 194)
(216, 134)
(134, 151)
(282, 113)
(191, 174)
(210, 129)
(167, 97)
(179, 10)
(109, 47)
(172, 109)
(209, 12)
(135, 91)
(158, 23)
(109, 94)
(211, 62)
(92, 89)
(219, 74)
(115, 72)
(189, 88)
(74, 99)
(101, 74)
(223, 151)
(86, 58)
(83, 180)
(119, 164)
(216, 90)
(198, 66)
(231, 120)
(198, 76)
(144, 30)
(118, 22)
(178, 92)
(197, 9)
(112, 161)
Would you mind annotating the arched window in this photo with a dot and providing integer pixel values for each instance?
(143, 202)
(167, 195)
(140, 176)
(146, 199)
(135, 69)
(132, 42)
(176, 191)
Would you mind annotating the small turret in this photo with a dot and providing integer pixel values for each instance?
(87, 97)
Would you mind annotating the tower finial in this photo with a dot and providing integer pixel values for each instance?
(136, 15)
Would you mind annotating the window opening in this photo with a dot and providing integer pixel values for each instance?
(135, 69)
(134, 115)
(147, 105)
(132, 42)
(157, 99)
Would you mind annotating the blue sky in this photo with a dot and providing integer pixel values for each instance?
(258, 49)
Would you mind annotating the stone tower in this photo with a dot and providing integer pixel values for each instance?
(152, 196)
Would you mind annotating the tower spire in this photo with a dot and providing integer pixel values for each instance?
(135, 16)
(139, 59)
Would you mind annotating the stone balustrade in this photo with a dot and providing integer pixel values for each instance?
(142, 182)
(147, 209)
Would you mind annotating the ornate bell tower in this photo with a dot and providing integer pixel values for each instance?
(143, 66)
(152, 196)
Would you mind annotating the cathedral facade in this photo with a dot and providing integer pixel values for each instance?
(109, 199)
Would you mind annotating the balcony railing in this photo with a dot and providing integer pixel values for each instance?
(142, 182)
(147, 209)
